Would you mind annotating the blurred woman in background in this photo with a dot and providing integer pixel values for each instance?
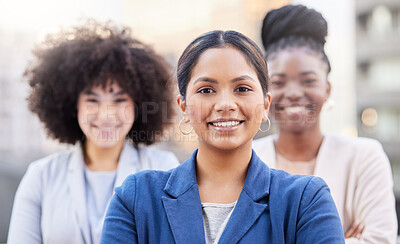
(356, 169)
(90, 86)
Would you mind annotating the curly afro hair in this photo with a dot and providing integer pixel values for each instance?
(294, 26)
(90, 55)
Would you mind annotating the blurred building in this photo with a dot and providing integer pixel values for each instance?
(378, 77)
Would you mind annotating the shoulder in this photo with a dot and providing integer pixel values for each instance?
(52, 163)
(295, 192)
(363, 151)
(145, 185)
(305, 205)
(43, 173)
(145, 181)
(359, 143)
(294, 184)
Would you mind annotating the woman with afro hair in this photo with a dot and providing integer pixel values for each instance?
(356, 170)
(99, 88)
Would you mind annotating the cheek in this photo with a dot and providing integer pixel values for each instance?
(197, 110)
(276, 95)
(126, 113)
(317, 95)
(257, 110)
(86, 113)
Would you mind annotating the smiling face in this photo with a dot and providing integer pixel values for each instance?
(299, 88)
(105, 115)
(224, 99)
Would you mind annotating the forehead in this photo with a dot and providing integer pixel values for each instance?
(108, 88)
(296, 59)
(226, 60)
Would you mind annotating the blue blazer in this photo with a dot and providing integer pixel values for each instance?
(273, 207)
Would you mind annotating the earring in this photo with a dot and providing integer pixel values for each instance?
(329, 104)
(269, 126)
(185, 133)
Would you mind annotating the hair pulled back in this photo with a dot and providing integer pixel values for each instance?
(294, 26)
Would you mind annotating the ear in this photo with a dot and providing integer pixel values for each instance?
(182, 105)
(267, 103)
(328, 90)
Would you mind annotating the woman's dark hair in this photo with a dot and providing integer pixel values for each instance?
(221, 39)
(294, 26)
(90, 55)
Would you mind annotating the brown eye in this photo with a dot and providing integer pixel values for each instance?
(243, 89)
(277, 83)
(206, 91)
(120, 100)
(91, 100)
(309, 81)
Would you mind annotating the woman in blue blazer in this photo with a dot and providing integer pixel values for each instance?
(224, 193)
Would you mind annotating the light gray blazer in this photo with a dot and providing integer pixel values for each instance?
(358, 173)
(50, 203)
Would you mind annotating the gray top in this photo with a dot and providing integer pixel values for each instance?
(215, 218)
(99, 190)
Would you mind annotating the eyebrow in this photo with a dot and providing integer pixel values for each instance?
(210, 80)
(301, 74)
(308, 73)
(278, 74)
(89, 92)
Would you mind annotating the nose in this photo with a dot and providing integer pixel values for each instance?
(225, 102)
(106, 113)
(293, 91)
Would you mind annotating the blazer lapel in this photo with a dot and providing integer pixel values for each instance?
(76, 184)
(250, 204)
(183, 205)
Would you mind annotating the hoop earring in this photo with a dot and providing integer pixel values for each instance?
(185, 133)
(269, 126)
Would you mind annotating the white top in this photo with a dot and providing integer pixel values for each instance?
(99, 190)
(215, 218)
(358, 173)
(50, 204)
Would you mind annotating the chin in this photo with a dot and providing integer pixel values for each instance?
(226, 145)
(296, 128)
(106, 144)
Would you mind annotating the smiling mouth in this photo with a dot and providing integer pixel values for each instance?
(225, 124)
(295, 109)
(107, 129)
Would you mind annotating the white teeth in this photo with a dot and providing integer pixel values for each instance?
(295, 109)
(226, 124)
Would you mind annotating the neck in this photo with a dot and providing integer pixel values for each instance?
(302, 146)
(102, 159)
(221, 173)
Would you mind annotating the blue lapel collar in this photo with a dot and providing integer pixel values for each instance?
(184, 210)
(183, 207)
(251, 203)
